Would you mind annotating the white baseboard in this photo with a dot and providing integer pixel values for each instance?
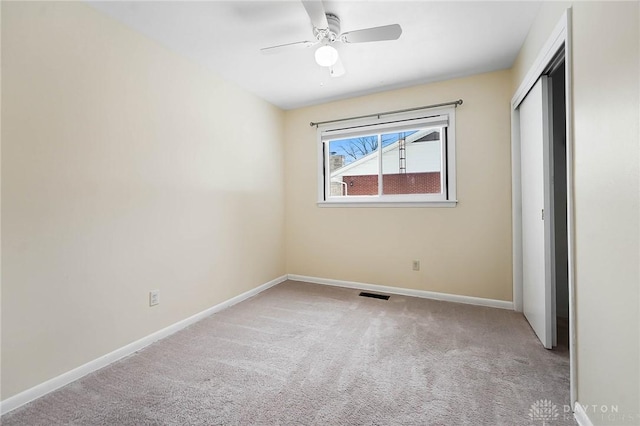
(469, 300)
(580, 415)
(64, 379)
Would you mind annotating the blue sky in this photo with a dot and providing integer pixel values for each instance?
(340, 145)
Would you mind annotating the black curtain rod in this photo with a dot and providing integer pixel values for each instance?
(380, 114)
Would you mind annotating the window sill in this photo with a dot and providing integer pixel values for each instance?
(393, 204)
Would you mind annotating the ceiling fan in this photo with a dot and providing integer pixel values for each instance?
(326, 31)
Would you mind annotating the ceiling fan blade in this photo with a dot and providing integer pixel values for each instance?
(287, 46)
(386, 32)
(337, 69)
(317, 15)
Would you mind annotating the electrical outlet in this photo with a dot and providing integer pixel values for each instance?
(154, 297)
(416, 265)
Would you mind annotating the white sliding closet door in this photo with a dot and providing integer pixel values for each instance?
(538, 289)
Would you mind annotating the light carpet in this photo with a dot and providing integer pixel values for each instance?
(308, 354)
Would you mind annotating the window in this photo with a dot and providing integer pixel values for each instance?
(404, 159)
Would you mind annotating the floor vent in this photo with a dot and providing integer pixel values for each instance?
(375, 296)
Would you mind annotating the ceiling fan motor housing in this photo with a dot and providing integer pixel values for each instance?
(331, 33)
(334, 26)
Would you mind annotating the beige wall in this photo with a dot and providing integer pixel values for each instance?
(607, 197)
(125, 168)
(606, 101)
(463, 250)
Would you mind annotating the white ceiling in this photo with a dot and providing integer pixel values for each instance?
(440, 40)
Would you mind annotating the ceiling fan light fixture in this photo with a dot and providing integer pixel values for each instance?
(326, 31)
(326, 56)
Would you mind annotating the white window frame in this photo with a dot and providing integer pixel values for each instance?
(390, 123)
